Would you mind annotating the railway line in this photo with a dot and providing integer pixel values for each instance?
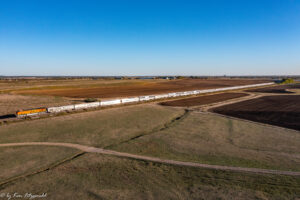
(39, 111)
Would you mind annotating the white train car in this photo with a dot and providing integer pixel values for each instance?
(147, 98)
(86, 105)
(151, 97)
(130, 100)
(161, 96)
(144, 98)
(110, 102)
(61, 108)
(172, 94)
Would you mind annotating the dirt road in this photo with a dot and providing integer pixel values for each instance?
(154, 159)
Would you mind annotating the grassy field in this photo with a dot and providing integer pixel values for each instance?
(214, 139)
(17, 161)
(167, 132)
(99, 128)
(160, 131)
(95, 176)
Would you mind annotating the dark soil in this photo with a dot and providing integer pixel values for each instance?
(202, 100)
(277, 89)
(145, 89)
(283, 110)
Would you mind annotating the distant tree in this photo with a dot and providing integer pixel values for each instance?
(287, 81)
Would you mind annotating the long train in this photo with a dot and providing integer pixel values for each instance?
(39, 111)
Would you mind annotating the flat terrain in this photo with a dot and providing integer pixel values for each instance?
(94, 176)
(282, 110)
(99, 128)
(134, 87)
(10, 103)
(202, 100)
(211, 139)
(17, 161)
(277, 89)
(167, 132)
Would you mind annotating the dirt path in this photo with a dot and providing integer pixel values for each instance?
(205, 108)
(154, 159)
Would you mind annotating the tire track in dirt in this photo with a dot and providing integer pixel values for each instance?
(89, 149)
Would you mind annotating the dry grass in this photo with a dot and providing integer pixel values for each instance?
(98, 128)
(212, 139)
(103, 177)
(152, 130)
(16, 161)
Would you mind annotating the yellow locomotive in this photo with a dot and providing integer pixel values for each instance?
(31, 112)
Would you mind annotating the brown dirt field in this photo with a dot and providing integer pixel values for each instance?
(281, 110)
(202, 100)
(277, 89)
(143, 88)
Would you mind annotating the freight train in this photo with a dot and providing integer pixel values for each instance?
(31, 112)
(39, 111)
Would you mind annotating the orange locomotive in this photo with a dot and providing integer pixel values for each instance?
(24, 113)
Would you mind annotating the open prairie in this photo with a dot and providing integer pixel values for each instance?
(17, 161)
(160, 131)
(170, 132)
(92, 177)
(124, 88)
(282, 110)
(99, 128)
(202, 100)
(167, 132)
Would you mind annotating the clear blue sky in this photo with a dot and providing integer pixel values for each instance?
(149, 37)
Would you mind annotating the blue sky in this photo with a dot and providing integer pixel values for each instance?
(149, 37)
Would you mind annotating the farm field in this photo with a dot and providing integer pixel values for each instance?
(134, 87)
(10, 103)
(93, 176)
(278, 89)
(282, 110)
(164, 132)
(202, 100)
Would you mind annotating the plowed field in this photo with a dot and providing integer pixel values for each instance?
(277, 89)
(283, 110)
(145, 88)
(202, 100)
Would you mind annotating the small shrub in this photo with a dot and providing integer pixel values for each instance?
(88, 100)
